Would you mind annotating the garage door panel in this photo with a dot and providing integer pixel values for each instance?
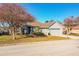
(55, 32)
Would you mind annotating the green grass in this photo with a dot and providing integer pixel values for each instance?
(24, 39)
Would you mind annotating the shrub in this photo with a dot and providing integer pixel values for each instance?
(39, 34)
(48, 33)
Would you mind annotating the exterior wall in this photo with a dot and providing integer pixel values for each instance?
(45, 31)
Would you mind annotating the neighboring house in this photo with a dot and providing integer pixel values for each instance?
(75, 29)
(52, 28)
(4, 31)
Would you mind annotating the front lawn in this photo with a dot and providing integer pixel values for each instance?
(6, 39)
(74, 34)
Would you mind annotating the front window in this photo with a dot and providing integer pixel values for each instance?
(54, 29)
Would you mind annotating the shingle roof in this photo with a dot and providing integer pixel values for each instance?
(46, 25)
(42, 25)
(35, 23)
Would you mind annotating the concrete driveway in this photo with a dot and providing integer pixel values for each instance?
(45, 48)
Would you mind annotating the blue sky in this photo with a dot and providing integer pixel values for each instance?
(52, 11)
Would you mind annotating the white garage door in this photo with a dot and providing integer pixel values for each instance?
(55, 31)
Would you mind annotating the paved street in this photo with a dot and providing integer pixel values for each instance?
(48, 48)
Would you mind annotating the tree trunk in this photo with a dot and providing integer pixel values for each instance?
(13, 34)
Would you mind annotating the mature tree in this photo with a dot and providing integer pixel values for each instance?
(68, 22)
(14, 15)
(76, 21)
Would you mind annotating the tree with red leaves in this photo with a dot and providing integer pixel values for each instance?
(76, 20)
(14, 15)
(68, 22)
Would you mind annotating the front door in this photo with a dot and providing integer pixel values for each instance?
(28, 30)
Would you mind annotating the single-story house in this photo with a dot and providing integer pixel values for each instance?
(48, 28)
(52, 28)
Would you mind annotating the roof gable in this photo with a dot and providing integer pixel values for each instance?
(46, 25)
(56, 25)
